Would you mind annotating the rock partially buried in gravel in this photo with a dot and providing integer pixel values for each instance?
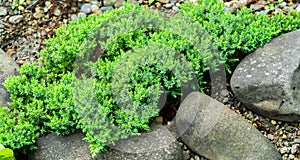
(268, 80)
(157, 144)
(210, 129)
(8, 67)
(52, 147)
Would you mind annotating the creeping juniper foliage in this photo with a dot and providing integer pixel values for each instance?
(104, 74)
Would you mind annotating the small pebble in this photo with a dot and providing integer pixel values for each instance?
(95, 3)
(16, 11)
(94, 8)
(286, 143)
(175, 8)
(158, 5)
(283, 150)
(48, 4)
(297, 140)
(86, 8)
(56, 12)
(168, 5)
(294, 148)
(264, 12)
(38, 15)
(3, 11)
(15, 19)
(291, 156)
(270, 137)
(298, 8)
(197, 157)
(164, 1)
(282, 4)
(186, 154)
(28, 2)
(287, 9)
(109, 2)
(74, 17)
(81, 14)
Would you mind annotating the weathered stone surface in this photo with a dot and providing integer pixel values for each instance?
(52, 147)
(109, 2)
(268, 80)
(157, 144)
(7, 68)
(216, 132)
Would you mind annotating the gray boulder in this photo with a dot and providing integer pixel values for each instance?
(157, 144)
(7, 68)
(268, 80)
(52, 146)
(214, 131)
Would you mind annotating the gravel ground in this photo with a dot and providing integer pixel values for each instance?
(23, 27)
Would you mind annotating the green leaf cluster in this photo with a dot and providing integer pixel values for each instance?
(6, 153)
(40, 104)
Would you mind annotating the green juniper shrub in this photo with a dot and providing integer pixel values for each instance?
(123, 99)
(108, 101)
(238, 34)
(51, 99)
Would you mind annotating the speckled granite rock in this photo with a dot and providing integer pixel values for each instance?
(56, 147)
(210, 129)
(268, 80)
(8, 67)
(157, 144)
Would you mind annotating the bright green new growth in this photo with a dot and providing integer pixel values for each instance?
(40, 104)
(6, 153)
(142, 54)
(238, 34)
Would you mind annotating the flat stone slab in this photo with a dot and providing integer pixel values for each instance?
(214, 131)
(8, 68)
(267, 81)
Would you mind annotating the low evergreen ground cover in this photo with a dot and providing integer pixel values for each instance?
(105, 74)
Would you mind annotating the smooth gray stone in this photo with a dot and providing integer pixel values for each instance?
(157, 144)
(8, 68)
(214, 131)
